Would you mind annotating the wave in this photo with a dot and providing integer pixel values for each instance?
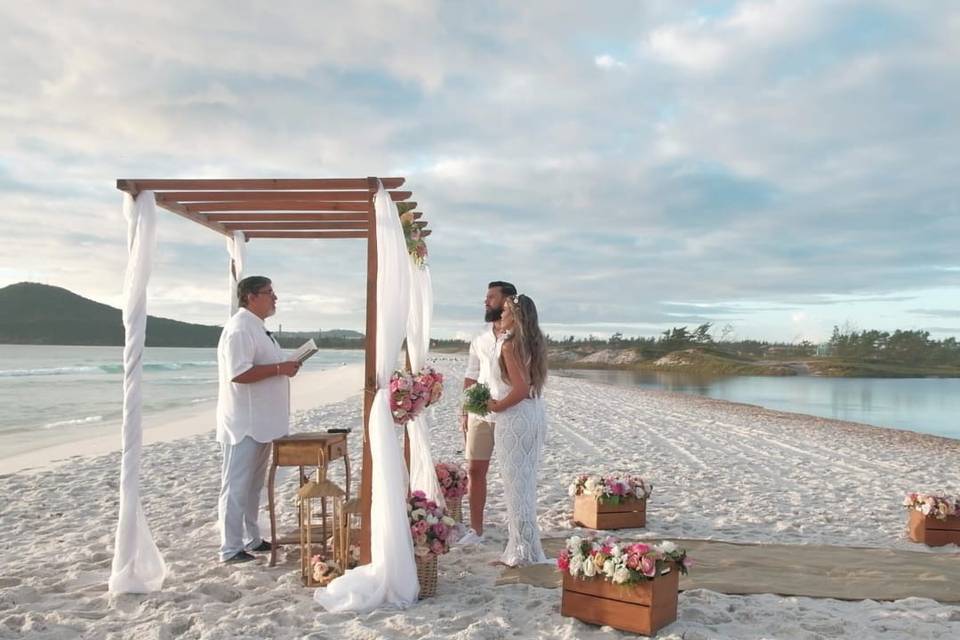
(67, 423)
(102, 368)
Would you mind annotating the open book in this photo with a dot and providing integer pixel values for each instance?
(305, 350)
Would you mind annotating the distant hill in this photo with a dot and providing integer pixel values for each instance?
(32, 313)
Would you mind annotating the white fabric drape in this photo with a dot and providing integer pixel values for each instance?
(423, 476)
(391, 577)
(138, 566)
(236, 246)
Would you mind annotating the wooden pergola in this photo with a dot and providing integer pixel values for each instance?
(307, 208)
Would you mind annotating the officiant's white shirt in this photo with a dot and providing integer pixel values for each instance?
(261, 409)
(483, 363)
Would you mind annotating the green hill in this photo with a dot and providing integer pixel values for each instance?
(32, 313)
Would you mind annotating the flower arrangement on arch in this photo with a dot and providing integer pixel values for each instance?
(620, 561)
(453, 480)
(611, 489)
(430, 527)
(416, 247)
(410, 394)
(940, 507)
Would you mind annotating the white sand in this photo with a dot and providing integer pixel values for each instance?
(720, 470)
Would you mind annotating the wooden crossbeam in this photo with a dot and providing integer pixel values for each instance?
(135, 186)
(277, 205)
(291, 226)
(306, 234)
(184, 197)
(178, 209)
(292, 216)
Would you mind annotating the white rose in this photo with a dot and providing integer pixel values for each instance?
(418, 514)
(621, 575)
(666, 547)
(589, 568)
(609, 568)
(592, 484)
(432, 519)
(576, 563)
(447, 520)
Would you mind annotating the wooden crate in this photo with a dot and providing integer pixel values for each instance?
(641, 608)
(629, 514)
(933, 532)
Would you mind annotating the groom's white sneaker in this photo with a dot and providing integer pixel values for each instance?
(471, 537)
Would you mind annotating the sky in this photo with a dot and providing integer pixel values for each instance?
(775, 168)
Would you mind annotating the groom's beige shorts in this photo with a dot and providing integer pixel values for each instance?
(479, 438)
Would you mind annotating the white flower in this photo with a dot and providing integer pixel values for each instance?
(615, 550)
(621, 575)
(592, 484)
(447, 520)
(666, 547)
(432, 519)
(417, 514)
(572, 489)
(573, 543)
(576, 563)
(609, 567)
(589, 568)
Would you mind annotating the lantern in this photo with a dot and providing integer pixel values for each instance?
(314, 537)
(345, 550)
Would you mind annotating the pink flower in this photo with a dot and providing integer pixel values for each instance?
(563, 561)
(648, 566)
(436, 547)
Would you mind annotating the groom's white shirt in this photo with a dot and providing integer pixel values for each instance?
(483, 365)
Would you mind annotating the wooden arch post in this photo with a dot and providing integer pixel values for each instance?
(305, 208)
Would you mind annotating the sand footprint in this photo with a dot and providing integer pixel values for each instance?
(219, 592)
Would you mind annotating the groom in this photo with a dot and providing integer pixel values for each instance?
(482, 366)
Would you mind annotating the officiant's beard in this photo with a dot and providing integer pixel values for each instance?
(493, 315)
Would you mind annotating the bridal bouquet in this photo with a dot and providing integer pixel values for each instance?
(620, 561)
(410, 394)
(937, 506)
(430, 527)
(453, 480)
(475, 399)
(611, 489)
(416, 247)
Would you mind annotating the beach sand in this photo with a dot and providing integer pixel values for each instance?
(720, 471)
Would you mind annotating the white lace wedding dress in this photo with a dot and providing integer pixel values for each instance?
(520, 434)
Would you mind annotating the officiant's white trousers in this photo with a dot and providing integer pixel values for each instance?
(241, 481)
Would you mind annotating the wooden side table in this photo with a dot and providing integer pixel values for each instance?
(302, 450)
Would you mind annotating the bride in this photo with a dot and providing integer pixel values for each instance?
(521, 426)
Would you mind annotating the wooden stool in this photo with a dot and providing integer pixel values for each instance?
(302, 450)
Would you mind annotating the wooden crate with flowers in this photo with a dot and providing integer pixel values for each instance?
(453, 482)
(432, 531)
(610, 502)
(631, 586)
(934, 519)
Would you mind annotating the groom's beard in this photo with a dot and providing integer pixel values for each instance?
(492, 315)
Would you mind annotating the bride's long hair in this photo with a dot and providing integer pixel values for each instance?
(530, 344)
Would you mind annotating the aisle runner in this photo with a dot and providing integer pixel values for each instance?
(818, 571)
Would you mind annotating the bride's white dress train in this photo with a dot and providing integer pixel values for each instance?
(520, 434)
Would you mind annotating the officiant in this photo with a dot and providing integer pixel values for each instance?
(253, 409)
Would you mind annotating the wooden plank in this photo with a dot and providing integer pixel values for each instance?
(205, 184)
(292, 226)
(291, 216)
(277, 205)
(643, 608)
(589, 513)
(306, 234)
(180, 211)
(369, 376)
(184, 197)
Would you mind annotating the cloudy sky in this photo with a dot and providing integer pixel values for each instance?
(781, 167)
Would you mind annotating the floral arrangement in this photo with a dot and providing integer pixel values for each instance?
(937, 506)
(475, 399)
(620, 561)
(324, 570)
(416, 247)
(430, 527)
(612, 489)
(410, 394)
(453, 480)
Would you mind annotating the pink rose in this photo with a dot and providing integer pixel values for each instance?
(563, 561)
(436, 547)
(648, 566)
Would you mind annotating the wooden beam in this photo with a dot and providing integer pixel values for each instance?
(291, 226)
(278, 205)
(369, 375)
(294, 216)
(173, 207)
(184, 197)
(253, 184)
(306, 234)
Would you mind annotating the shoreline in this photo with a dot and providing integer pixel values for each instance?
(333, 385)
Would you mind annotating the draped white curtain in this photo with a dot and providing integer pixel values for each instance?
(236, 246)
(423, 476)
(138, 566)
(391, 577)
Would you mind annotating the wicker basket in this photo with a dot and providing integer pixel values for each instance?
(427, 575)
(455, 508)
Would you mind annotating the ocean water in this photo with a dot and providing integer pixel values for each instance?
(51, 391)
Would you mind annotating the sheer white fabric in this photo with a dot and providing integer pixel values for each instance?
(236, 246)
(391, 577)
(138, 566)
(423, 475)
